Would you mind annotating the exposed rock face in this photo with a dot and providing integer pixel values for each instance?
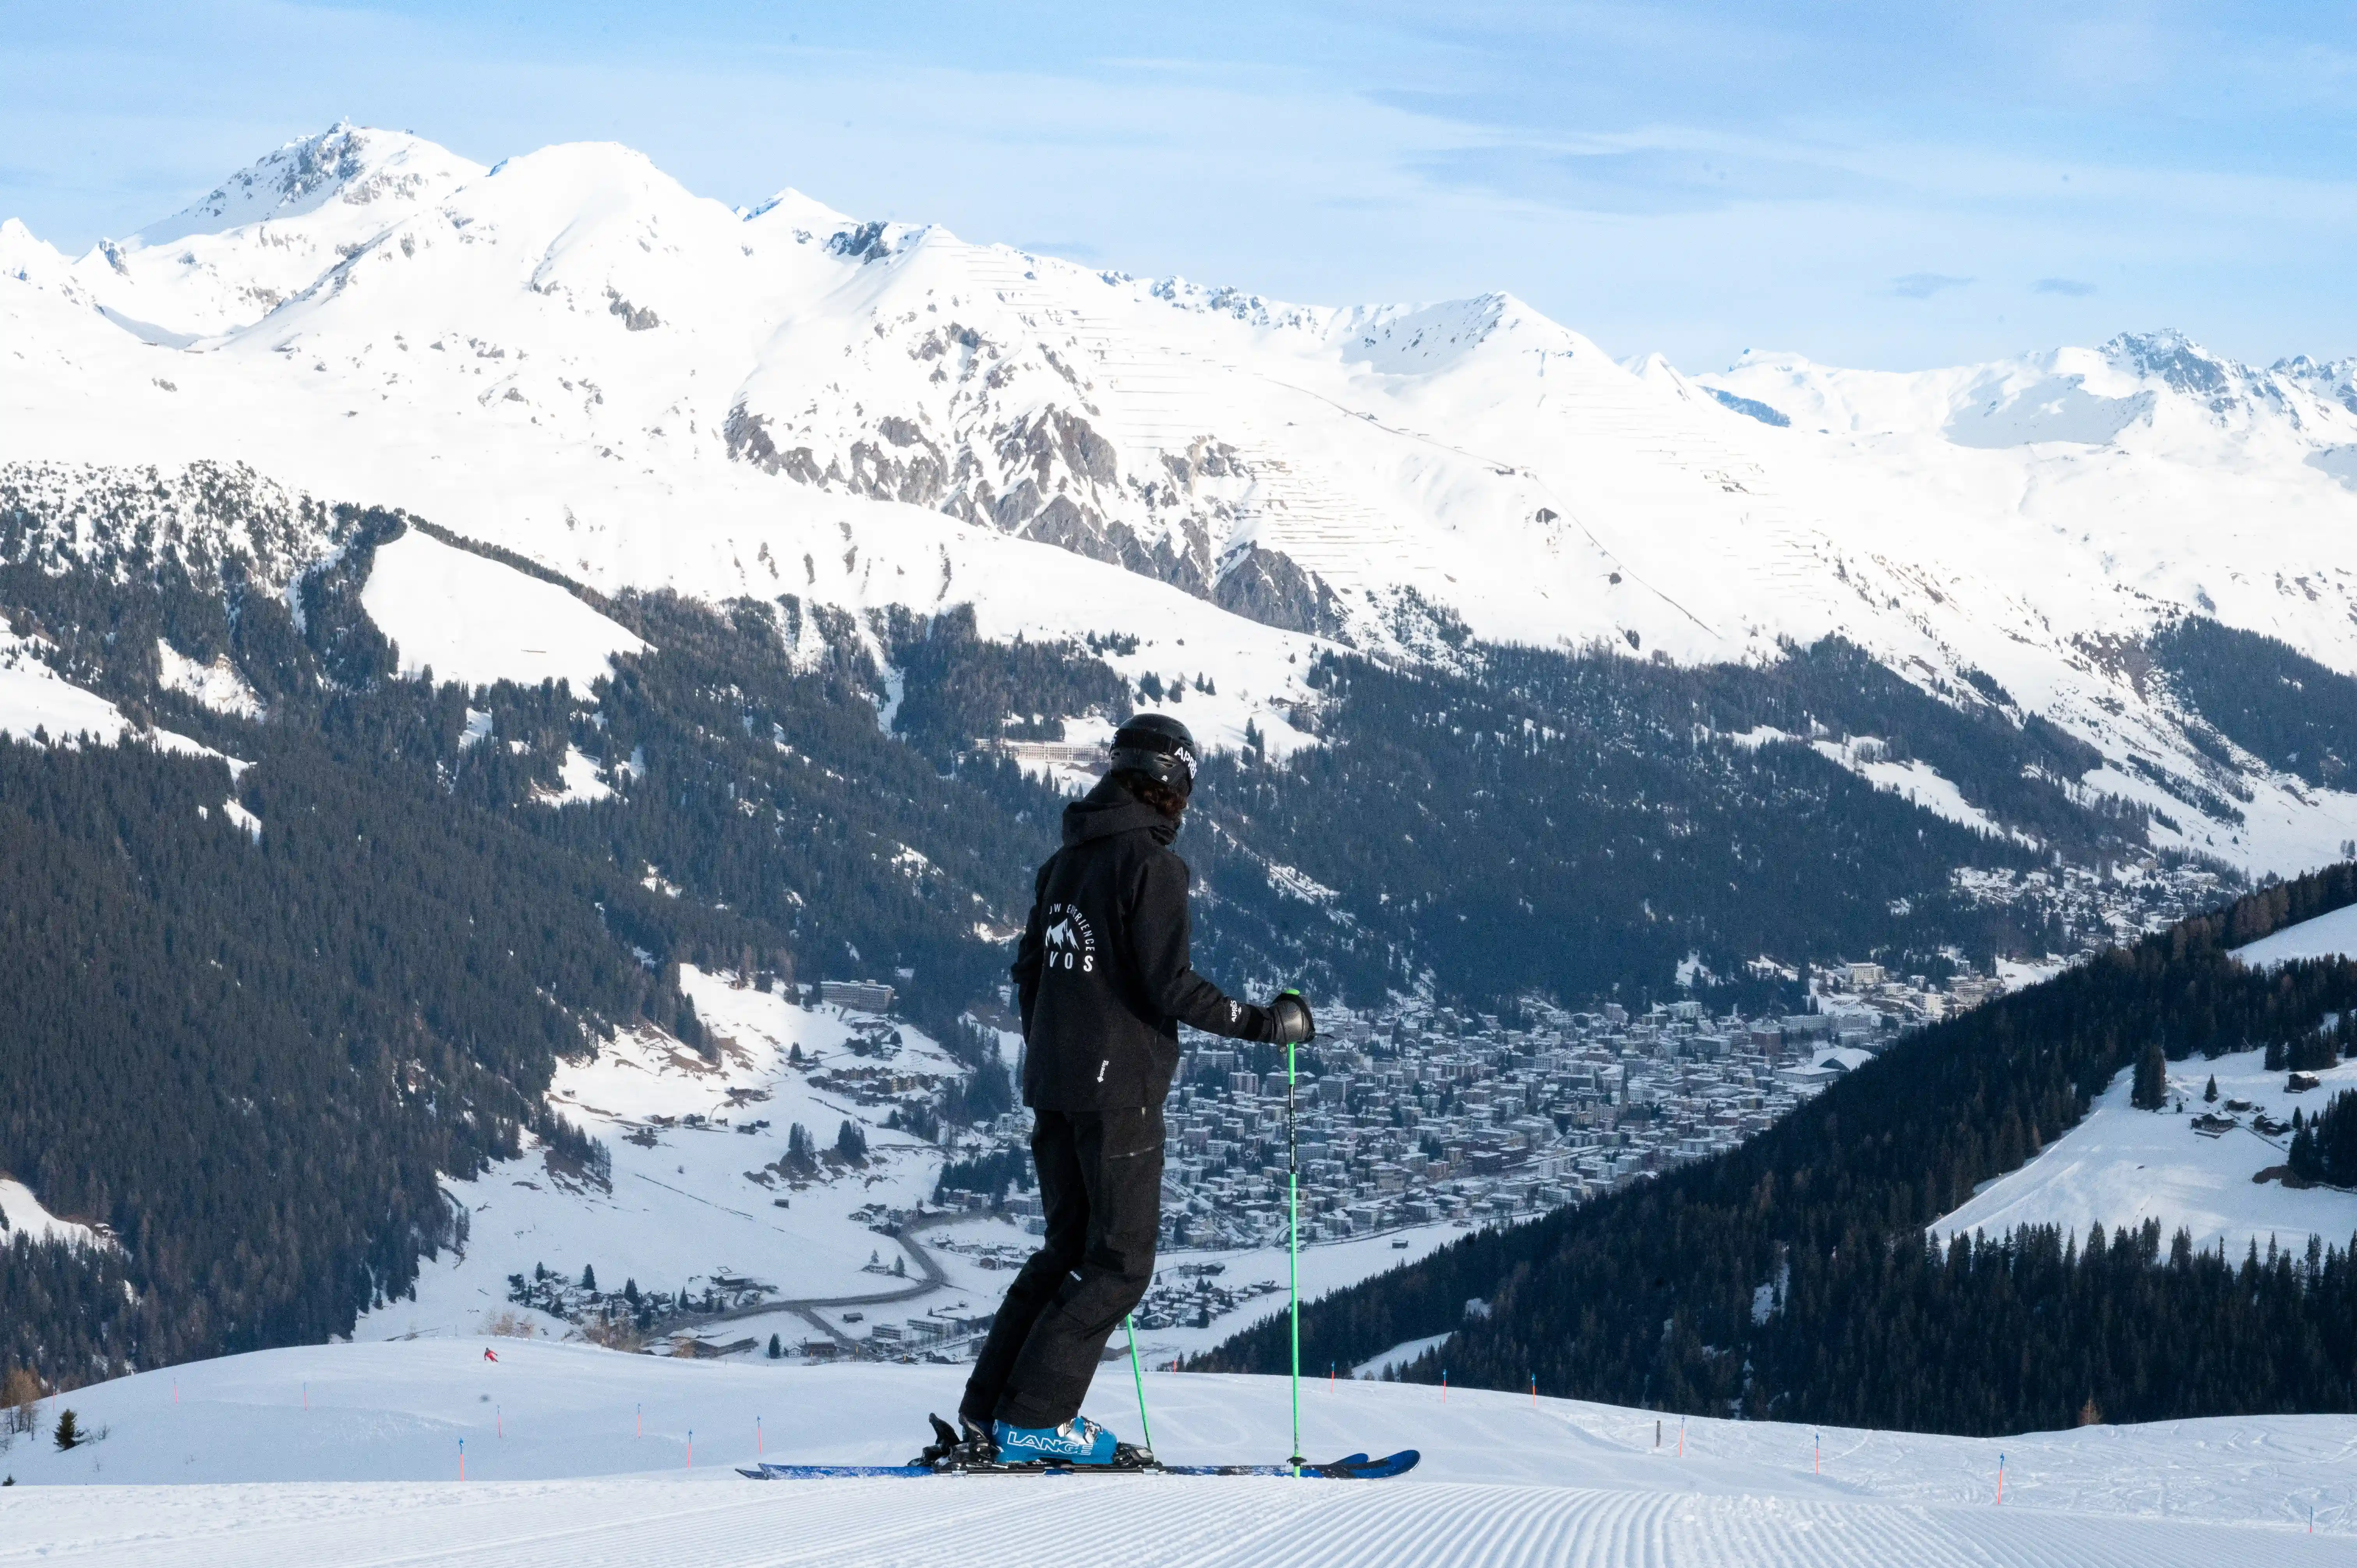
(1268, 586)
(1052, 475)
(959, 391)
(748, 435)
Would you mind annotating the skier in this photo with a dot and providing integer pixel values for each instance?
(1105, 979)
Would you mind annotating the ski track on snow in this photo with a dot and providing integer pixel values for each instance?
(344, 1457)
(1141, 1522)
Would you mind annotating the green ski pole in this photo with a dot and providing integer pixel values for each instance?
(1292, 1246)
(1137, 1375)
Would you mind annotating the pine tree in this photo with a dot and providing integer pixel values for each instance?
(588, 1277)
(2210, 1094)
(2151, 1089)
(777, 1347)
(69, 1429)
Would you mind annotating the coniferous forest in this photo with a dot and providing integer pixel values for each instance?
(1793, 1278)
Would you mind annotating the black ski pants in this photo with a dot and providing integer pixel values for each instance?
(1101, 1185)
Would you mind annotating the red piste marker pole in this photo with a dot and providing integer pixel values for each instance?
(1534, 1392)
(2000, 1480)
(499, 1420)
(1682, 1437)
(1444, 1385)
(462, 1458)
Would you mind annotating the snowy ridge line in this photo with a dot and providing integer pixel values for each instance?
(909, 396)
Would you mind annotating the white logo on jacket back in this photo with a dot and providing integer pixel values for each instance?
(1068, 944)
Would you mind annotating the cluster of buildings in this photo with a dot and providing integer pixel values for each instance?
(2092, 907)
(1413, 1115)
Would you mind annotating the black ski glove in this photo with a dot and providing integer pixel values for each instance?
(1289, 1020)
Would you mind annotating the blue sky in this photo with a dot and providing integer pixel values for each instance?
(1883, 184)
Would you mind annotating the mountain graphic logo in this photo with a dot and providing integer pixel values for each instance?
(1060, 935)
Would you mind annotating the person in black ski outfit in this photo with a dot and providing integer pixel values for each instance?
(1104, 979)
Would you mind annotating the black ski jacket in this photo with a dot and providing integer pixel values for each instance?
(1102, 973)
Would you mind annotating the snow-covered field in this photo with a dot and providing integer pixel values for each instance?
(349, 1455)
(2327, 936)
(33, 699)
(693, 1201)
(2122, 1167)
(472, 619)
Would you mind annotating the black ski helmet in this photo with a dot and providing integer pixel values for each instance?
(1158, 747)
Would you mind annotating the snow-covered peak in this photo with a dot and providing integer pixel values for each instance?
(262, 236)
(26, 258)
(350, 166)
(2162, 384)
(21, 250)
(2335, 380)
(792, 210)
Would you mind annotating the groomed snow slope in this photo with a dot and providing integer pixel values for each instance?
(558, 1475)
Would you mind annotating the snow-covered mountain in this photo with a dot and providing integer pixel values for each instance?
(571, 357)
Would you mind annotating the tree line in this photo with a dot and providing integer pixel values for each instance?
(1795, 1278)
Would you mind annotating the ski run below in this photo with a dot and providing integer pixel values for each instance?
(346, 1454)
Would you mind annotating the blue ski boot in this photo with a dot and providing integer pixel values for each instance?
(1079, 1441)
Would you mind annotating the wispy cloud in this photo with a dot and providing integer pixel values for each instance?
(1639, 179)
(1923, 285)
(2070, 288)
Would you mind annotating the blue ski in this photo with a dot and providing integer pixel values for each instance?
(1353, 1467)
